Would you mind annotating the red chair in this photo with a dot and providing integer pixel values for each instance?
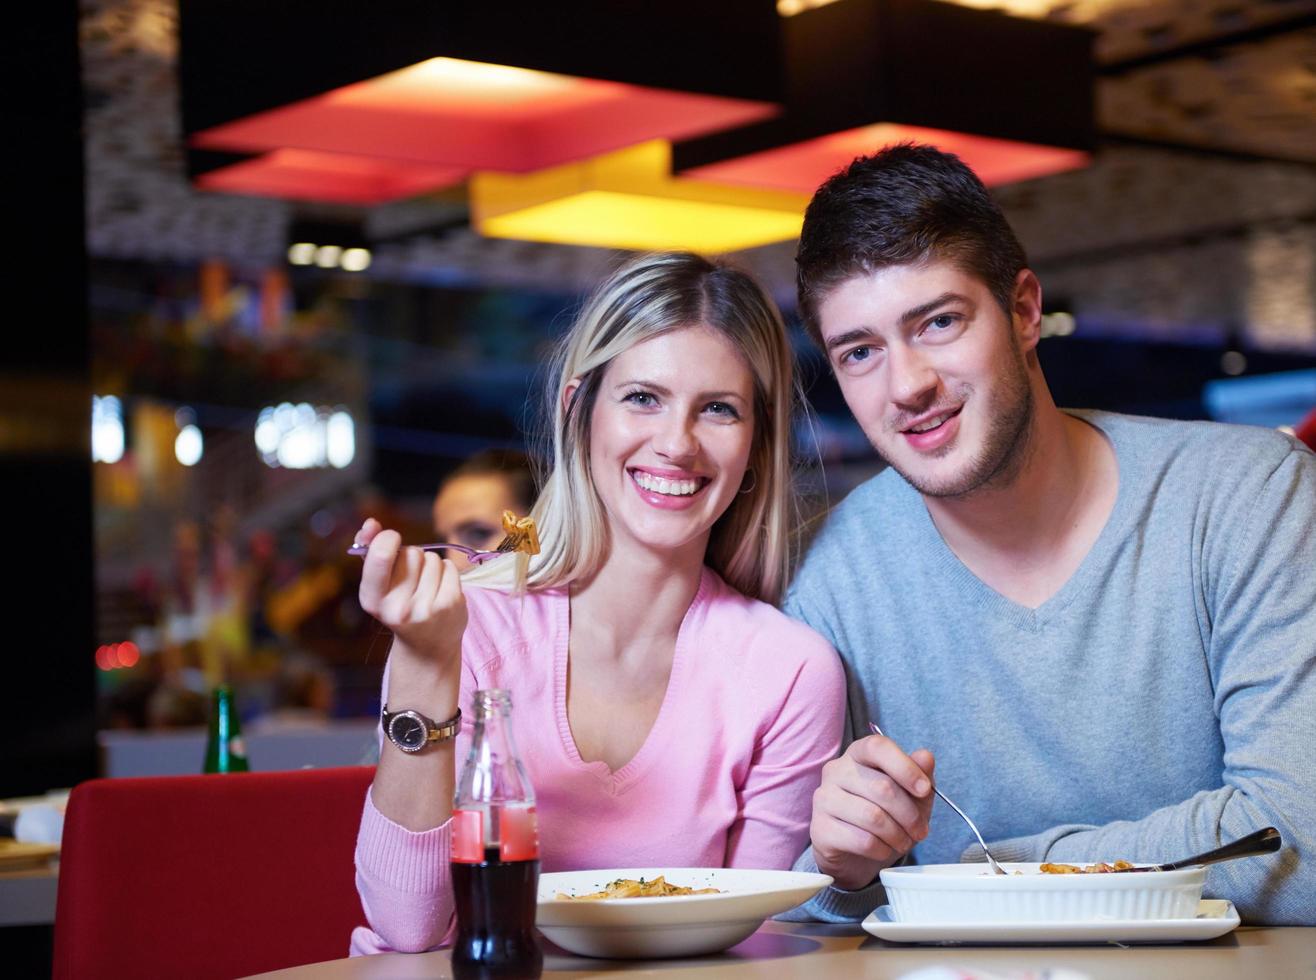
(208, 876)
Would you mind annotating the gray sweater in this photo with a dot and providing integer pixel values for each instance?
(1161, 703)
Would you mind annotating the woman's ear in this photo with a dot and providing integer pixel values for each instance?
(568, 393)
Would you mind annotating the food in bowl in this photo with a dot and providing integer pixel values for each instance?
(676, 925)
(1101, 868)
(658, 887)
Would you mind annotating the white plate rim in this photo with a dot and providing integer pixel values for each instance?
(787, 882)
(1215, 917)
(767, 892)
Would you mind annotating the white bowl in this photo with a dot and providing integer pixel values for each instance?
(681, 925)
(972, 893)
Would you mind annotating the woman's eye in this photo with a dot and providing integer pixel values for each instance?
(643, 399)
(722, 409)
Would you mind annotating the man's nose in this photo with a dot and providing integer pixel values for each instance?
(913, 378)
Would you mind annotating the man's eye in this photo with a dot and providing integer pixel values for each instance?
(943, 321)
(856, 355)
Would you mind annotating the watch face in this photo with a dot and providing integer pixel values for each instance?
(407, 731)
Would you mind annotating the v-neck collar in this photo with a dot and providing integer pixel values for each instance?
(659, 733)
(1084, 578)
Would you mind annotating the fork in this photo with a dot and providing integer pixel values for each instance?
(947, 800)
(505, 547)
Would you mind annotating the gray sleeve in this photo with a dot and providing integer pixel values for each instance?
(1262, 607)
(834, 904)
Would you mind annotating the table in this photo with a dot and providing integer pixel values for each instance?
(812, 951)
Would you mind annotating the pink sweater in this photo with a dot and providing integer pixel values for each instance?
(725, 778)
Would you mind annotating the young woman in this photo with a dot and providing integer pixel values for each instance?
(667, 714)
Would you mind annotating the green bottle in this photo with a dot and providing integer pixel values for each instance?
(225, 751)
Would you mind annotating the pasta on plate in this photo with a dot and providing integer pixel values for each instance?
(658, 887)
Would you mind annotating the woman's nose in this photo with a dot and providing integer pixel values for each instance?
(675, 439)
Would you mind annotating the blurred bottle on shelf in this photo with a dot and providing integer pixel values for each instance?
(225, 751)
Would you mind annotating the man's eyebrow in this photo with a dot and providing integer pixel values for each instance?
(924, 309)
(849, 337)
(914, 313)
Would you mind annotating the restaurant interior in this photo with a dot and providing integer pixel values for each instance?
(303, 260)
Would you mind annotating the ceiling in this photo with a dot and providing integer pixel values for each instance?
(1207, 114)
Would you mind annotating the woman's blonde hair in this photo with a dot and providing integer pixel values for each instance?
(649, 296)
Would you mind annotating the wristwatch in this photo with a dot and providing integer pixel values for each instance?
(411, 731)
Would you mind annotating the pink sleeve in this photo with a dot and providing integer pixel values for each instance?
(403, 879)
(776, 800)
(403, 876)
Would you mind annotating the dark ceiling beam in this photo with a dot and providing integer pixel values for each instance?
(1110, 136)
(1206, 46)
(1194, 238)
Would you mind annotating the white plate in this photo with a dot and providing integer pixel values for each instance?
(1215, 917)
(682, 925)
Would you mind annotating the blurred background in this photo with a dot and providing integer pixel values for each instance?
(215, 371)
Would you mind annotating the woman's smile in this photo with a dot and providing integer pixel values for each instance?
(668, 489)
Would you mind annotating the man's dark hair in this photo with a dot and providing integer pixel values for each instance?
(904, 205)
(512, 464)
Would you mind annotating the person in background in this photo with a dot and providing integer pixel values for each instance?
(1105, 626)
(468, 508)
(667, 714)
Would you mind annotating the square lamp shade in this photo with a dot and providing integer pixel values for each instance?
(363, 103)
(431, 124)
(628, 200)
(1011, 97)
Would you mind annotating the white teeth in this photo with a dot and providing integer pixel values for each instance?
(931, 423)
(670, 488)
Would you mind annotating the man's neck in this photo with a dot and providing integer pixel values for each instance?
(1026, 536)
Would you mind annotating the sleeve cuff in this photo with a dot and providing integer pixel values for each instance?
(410, 862)
(834, 904)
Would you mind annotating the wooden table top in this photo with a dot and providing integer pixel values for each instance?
(812, 951)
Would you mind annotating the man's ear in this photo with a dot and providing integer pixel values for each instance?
(1026, 320)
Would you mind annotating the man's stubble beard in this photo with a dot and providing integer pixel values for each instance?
(1005, 449)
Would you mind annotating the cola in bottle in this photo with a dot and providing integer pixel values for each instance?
(495, 853)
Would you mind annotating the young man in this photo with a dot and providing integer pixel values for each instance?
(1104, 626)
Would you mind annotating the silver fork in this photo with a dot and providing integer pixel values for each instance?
(947, 800)
(506, 546)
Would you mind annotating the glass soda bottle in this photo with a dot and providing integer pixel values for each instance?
(495, 852)
(225, 751)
